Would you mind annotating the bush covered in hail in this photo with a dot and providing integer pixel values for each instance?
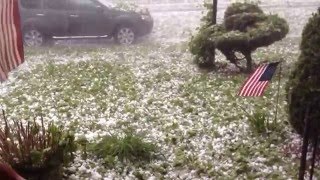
(35, 150)
(303, 88)
(244, 29)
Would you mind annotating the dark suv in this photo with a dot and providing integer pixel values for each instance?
(43, 20)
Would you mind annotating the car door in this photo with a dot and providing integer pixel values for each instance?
(55, 14)
(88, 18)
(31, 13)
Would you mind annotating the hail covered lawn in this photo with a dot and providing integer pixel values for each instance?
(201, 128)
(195, 118)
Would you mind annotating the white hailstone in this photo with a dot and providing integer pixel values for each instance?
(73, 177)
(95, 175)
(82, 169)
(102, 121)
(266, 171)
(109, 177)
(72, 168)
(280, 168)
(274, 167)
(272, 145)
(261, 159)
(91, 136)
(152, 178)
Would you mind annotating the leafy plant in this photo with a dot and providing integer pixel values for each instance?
(258, 121)
(128, 148)
(29, 146)
(83, 142)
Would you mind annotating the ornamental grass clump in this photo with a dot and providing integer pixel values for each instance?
(303, 87)
(128, 148)
(258, 122)
(244, 29)
(35, 150)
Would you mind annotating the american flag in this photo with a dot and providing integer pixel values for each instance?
(258, 81)
(11, 46)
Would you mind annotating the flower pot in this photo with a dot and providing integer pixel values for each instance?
(41, 173)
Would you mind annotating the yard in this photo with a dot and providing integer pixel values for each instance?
(153, 88)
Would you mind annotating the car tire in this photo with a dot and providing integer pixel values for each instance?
(32, 37)
(125, 35)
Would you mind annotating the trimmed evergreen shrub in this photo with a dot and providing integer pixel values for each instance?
(303, 88)
(244, 29)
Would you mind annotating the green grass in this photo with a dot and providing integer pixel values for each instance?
(64, 89)
(130, 147)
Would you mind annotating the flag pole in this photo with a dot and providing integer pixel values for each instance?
(278, 93)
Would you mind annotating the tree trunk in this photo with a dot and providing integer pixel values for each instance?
(248, 57)
(214, 11)
(214, 21)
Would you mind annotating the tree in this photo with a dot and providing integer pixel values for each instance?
(303, 87)
(209, 61)
(244, 29)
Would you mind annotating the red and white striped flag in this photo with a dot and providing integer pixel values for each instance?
(258, 81)
(11, 45)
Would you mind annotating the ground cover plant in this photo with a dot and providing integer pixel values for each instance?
(194, 119)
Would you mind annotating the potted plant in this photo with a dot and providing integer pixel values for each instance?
(35, 150)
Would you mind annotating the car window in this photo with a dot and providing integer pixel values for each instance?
(82, 5)
(31, 4)
(55, 4)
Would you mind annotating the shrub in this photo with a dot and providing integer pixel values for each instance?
(244, 29)
(303, 87)
(128, 148)
(126, 6)
(34, 150)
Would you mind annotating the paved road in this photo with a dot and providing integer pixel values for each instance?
(222, 4)
(175, 25)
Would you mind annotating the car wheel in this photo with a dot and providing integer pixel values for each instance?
(34, 38)
(125, 35)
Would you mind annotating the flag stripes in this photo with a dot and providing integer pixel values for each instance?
(258, 81)
(11, 46)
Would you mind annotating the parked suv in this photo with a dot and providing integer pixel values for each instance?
(43, 20)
